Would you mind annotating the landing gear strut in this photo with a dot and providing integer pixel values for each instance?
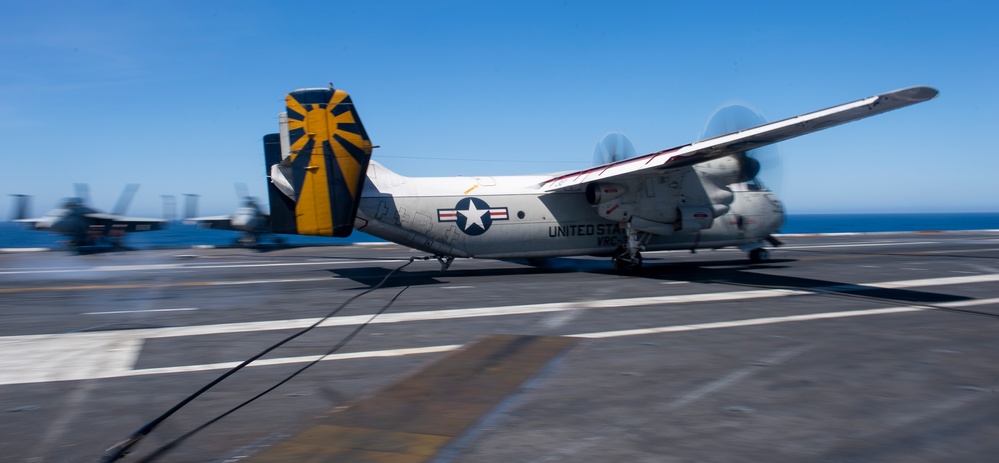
(445, 261)
(627, 259)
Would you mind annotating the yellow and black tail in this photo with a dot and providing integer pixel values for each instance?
(317, 164)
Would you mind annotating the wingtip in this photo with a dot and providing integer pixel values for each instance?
(915, 94)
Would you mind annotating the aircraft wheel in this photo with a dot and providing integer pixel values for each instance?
(759, 255)
(627, 265)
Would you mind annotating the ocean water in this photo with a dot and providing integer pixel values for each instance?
(14, 235)
(873, 223)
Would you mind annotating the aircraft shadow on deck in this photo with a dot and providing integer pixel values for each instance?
(370, 276)
(742, 274)
(735, 272)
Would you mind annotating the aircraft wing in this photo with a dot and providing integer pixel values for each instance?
(736, 142)
(129, 224)
(217, 222)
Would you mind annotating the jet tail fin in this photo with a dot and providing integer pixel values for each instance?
(125, 199)
(21, 206)
(317, 164)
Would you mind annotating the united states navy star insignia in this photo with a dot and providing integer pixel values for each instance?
(473, 215)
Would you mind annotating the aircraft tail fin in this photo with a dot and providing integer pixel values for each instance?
(21, 206)
(282, 207)
(317, 164)
(125, 199)
(190, 206)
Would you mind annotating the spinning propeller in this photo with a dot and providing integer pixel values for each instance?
(615, 146)
(764, 163)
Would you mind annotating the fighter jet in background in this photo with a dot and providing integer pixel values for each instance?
(248, 219)
(85, 226)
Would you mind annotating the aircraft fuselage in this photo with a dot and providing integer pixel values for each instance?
(507, 217)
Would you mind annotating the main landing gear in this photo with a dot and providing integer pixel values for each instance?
(445, 261)
(627, 260)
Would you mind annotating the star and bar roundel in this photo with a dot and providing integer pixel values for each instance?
(473, 215)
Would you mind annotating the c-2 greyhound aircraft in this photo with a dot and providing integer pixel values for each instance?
(696, 196)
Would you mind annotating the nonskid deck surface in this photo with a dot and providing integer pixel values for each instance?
(869, 347)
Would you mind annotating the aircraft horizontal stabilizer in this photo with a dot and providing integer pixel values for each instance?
(744, 140)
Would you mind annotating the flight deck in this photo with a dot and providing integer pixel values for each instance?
(867, 347)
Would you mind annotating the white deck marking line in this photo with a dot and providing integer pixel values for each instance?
(750, 322)
(934, 281)
(189, 284)
(818, 246)
(64, 357)
(289, 360)
(858, 245)
(184, 309)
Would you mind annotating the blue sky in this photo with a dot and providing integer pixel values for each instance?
(176, 95)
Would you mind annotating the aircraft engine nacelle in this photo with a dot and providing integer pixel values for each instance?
(694, 219)
(610, 201)
(738, 168)
(597, 193)
(689, 219)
